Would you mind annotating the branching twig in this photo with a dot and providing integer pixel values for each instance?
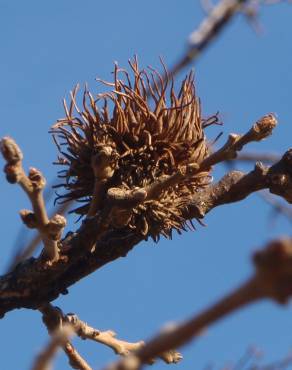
(259, 131)
(41, 284)
(33, 184)
(122, 202)
(272, 279)
(53, 317)
(108, 338)
(54, 320)
(30, 248)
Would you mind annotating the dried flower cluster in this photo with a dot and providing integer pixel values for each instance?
(145, 132)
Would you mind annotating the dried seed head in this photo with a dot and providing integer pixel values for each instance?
(129, 137)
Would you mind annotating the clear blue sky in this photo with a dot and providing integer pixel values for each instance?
(46, 48)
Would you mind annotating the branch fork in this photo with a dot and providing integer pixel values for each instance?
(33, 185)
(54, 318)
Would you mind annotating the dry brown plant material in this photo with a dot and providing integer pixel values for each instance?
(138, 158)
(99, 241)
(141, 164)
(130, 142)
(33, 185)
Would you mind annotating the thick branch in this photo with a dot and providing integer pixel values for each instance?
(31, 284)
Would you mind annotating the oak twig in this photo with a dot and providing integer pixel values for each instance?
(53, 317)
(84, 331)
(33, 185)
(210, 28)
(120, 202)
(31, 284)
(103, 165)
(30, 248)
(259, 131)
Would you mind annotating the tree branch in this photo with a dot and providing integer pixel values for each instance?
(32, 284)
(210, 28)
(53, 318)
(33, 185)
(272, 280)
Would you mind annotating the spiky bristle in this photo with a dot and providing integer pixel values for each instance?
(151, 132)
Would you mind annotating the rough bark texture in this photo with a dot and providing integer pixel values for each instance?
(35, 282)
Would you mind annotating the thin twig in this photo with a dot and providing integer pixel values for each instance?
(33, 185)
(75, 359)
(259, 131)
(28, 251)
(211, 27)
(53, 319)
(108, 338)
(272, 279)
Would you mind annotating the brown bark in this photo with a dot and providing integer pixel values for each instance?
(34, 283)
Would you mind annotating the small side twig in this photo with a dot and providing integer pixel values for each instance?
(108, 338)
(103, 165)
(30, 248)
(53, 319)
(259, 131)
(33, 185)
(217, 18)
(75, 359)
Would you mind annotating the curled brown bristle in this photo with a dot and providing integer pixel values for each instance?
(147, 131)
